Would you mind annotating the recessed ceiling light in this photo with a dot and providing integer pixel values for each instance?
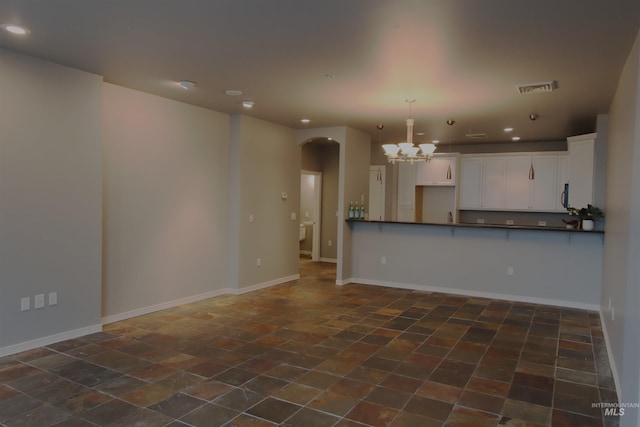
(516, 138)
(15, 29)
(420, 133)
(508, 130)
(305, 121)
(248, 104)
(233, 92)
(435, 141)
(186, 84)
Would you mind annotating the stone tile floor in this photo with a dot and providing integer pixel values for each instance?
(309, 353)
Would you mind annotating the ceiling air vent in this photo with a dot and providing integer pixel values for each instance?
(537, 87)
(476, 135)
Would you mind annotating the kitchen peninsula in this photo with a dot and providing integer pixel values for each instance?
(542, 265)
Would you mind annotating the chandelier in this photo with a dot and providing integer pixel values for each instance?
(406, 151)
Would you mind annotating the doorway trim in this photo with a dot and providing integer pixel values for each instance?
(317, 212)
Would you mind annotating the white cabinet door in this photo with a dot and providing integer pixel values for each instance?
(563, 178)
(518, 183)
(581, 152)
(471, 183)
(406, 192)
(493, 189)
(377, 187)
(545, 195)
(437, 171)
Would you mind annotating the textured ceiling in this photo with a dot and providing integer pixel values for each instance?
(352, 62)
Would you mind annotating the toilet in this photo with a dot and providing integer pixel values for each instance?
(303, 232)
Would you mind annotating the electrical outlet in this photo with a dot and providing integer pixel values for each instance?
(53, 298)
(542, 223)
(258, 262)
(330, 243)
(25, 304)
(510, 271)
(293, 216)
(479, 221)
(38, 301)
(509, 222)
(251, 219)
(383, 260)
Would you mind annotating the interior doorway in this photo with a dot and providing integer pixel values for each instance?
(310, 213)
(319, 196)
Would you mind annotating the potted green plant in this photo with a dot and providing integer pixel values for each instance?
(587, 216)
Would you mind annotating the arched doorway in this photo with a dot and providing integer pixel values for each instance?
(319, 190)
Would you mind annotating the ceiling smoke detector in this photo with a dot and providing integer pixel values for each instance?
(537, 87)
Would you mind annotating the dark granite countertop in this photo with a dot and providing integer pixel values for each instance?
(491, 226)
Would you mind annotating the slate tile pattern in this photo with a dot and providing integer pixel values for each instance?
(310, 353)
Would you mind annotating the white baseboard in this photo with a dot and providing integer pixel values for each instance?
(612, 361)
(264, 285)
(188, 300)
(50, 339)
(479, 294)
(333, 260)
(157, 307)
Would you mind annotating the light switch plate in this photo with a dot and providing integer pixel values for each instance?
(38, 301)
(53, 298)
(25, 304)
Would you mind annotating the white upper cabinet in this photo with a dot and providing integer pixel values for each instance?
(377, 185)
(518, 182)
(546, 189)
(440, 170)
(471, 183)
(493, 188)
(513, 182)
(562, 201)
(581, 164)
(405, 211)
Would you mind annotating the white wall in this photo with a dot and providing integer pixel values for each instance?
(165, 201)
(264, 162)
(330, 158)
(549, 267)
(354, 180)
(621, 271)
(50, 200)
